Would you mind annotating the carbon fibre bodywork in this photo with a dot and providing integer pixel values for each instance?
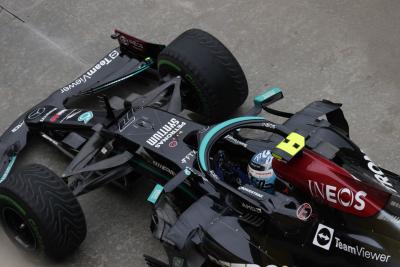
(334, 211)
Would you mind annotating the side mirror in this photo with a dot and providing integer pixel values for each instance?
(268, 97)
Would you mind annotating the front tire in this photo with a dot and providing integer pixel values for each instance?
(217, 84)
(40, 214)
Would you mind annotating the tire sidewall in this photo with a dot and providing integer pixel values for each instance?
(217, 82)
(10, 200)
(50, 208)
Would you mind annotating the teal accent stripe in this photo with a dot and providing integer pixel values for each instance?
(155, 194)
(214, 131)
(8, 169)
(141, 69)
(143, 165)
(271, 92)
(136, 72)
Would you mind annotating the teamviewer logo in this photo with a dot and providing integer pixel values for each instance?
(323, 237)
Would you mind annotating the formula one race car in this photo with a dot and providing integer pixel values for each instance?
(329, 204)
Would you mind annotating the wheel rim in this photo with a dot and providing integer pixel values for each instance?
(18, 229)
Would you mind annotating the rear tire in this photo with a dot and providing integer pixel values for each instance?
(217, 84)
(40, 214)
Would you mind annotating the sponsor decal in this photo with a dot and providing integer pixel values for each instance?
(323, 237)
(86, 117)
(173, 143)
(70, 115)
(104, 151)
(187, 171)
(123, 40)
(89, 74)
(205, 129)
(126, 120)
(344, 196)
(245, 189)
(163, 167)
(304, 211)
(165, 133)
(36, 113)
(379, 175)
(361, 251)
(16, 128)
(189, 156)
(136, 44)
(47, 114)
(57, 115)
(235, 141)
(269, 125)
(251, 208)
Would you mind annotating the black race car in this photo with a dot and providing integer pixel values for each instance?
(330, 205)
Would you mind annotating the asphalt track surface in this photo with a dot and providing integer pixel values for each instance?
(344, 51)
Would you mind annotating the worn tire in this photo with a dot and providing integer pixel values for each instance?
(217, 84)
(47, 209)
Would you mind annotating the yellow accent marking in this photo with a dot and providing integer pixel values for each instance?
(292, 144)
(276, 156)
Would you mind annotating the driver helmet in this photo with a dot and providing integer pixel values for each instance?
(260, 171)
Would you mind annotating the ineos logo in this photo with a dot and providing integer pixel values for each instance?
(343, 196)
(36, 113)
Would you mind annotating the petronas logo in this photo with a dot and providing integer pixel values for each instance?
(86, 117)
